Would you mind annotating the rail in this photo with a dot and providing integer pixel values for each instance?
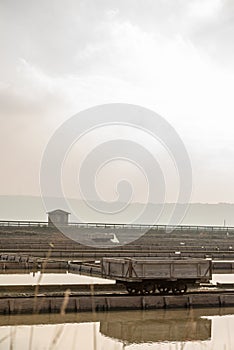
(89, 225)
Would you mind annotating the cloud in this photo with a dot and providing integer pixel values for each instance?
(205, 9)
(173, 57)
(52, 35)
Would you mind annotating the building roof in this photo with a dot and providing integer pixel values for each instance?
(58, 211)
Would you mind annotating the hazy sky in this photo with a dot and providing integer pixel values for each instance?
(175, 57)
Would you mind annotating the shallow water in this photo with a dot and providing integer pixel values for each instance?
(70, 278)
(34, 278)
(223, 278)
(207, 329)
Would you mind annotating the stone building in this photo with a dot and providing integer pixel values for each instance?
(58, 217)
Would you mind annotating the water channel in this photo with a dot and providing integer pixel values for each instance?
(184, 329)
(207, 329)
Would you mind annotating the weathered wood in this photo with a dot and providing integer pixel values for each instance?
(53, 304)
(138, 269)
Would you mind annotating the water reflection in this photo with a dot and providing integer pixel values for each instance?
(150, 327)
(208, 329)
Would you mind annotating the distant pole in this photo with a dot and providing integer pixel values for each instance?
(224, 222)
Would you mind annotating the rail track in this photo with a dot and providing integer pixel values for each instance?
(98, 289)
(82, 253)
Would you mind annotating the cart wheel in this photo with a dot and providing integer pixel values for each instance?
(130, 290)
(133, 290)
(163, 289)
(179, 288)
(148, 289)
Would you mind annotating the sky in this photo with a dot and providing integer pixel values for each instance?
(174, 57)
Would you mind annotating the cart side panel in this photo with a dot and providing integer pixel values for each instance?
(115, 268)
(156, 269)
(177, 269)
(152, 269)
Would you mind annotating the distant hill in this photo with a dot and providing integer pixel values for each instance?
(31, 208)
